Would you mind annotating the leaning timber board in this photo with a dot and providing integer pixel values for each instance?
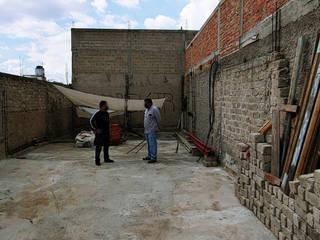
(314, 155)
(275, 159)
(291, 99)
(305, 124)
(310, 138)
(302, 108)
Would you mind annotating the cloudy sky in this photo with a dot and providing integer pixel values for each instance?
(36, 32)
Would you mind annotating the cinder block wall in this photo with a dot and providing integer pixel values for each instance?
(152, 60)
(2, 132)
(252, 80)
(244, 96)
(32, 110)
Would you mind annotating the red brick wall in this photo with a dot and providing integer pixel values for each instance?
(254, 11)
(229, 26)
(206, 42)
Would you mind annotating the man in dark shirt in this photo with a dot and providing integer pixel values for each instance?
(100, 124)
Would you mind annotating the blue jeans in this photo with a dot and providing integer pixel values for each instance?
(152, 145)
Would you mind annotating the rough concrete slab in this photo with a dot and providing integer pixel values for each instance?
(58, 193)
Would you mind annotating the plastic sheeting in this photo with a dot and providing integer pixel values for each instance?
(117, 104)
(85, 112)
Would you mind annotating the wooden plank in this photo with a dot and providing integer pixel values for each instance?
(295, 72)
(294, 130)
(265, 128)
(308, 106)
(275, 159)
(177, 147)
(272, 179)
(314, 155)
(289, 108)
(184, 142)
(298, 122)
(291, 100)
(189, 147)
(313, 126)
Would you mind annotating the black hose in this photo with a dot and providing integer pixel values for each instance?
(212, 78)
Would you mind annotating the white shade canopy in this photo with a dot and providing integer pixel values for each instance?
(116, 104)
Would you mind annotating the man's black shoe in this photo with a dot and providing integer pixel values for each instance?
(108, 161)
(146, 158)
(152, 161)
(98, 164)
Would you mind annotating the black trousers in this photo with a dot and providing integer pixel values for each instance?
(105, 152)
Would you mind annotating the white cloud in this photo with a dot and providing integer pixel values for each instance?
(160, 21)
(51, 51)
(192, 16)
(29, 27)
(128, 3)
(50, 40)
(116, 21)
(54, 52)
(11, 66)
(46, 40)
(4, 48)
(11, 10)
(196, 12)
(82, 20)
(100, 5)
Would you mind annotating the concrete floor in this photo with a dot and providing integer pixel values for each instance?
(58, 193)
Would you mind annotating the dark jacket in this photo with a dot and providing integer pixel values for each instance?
(100, 120)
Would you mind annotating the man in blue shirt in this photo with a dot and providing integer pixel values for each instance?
(151, 126)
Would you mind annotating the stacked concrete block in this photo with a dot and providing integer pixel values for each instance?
(307, 205)
(294, 217)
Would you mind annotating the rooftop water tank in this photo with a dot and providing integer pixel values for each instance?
(39, 71)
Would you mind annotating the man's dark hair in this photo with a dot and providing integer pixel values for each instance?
(148, 100)
(102, 103)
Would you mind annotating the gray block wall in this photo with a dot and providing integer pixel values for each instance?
(245, 91)
(34, 110)
(152, 60)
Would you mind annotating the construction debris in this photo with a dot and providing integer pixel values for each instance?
(84, 139)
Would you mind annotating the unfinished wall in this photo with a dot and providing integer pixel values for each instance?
(2, 126)
(244, 92)
(34, 110)
(232, 24)
(251, 82)
(296, 216)
(151, 60)
(244, 98)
